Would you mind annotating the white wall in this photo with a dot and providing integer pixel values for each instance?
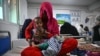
(33, 8)
(85, 14)
(32, 12)
(95, 6)
(12, 28)
(22, 11)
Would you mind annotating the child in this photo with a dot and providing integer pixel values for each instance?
(40, 34)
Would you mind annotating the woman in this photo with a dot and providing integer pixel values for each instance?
(51, 25)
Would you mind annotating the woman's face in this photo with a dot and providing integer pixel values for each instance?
(44, 17)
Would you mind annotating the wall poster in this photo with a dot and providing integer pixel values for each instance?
(61, 18)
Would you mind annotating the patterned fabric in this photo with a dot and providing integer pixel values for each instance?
(54, 47)
(54, 44)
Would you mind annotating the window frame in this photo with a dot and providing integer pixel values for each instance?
(2, 1)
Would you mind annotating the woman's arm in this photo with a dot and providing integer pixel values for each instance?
(28, 30)
(49, 35)
(55, 28)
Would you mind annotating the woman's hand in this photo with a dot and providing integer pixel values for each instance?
(28, 40)
(47, 32)
(34, 45)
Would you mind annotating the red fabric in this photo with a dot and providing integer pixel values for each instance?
(49, 35)
(28, 30)
(31, 51)
(52, 24)
(67, 46)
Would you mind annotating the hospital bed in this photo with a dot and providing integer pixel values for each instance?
(5, 42)
(11, 48)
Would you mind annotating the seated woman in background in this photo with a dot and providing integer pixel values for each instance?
(86, 29)
(67, 28)
(81, 30)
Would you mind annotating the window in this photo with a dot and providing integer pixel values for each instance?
(13, 15)
(1, 10)
(9, 10)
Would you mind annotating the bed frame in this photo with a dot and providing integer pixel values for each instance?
(5, 42)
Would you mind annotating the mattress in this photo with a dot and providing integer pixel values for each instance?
(15, 52)
(17, 47)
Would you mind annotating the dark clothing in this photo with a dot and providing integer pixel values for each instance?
(86, 29)
(78, 52)
(26, 23)
(67, 28)
(96, 33)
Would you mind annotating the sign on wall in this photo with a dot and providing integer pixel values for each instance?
(61, 18)
(75, 16)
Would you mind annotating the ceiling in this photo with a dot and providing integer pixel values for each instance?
(67, 2)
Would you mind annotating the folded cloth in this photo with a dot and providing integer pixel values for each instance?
(43, 46)
(49, 52)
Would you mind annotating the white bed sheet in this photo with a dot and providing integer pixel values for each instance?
(17, 47)
(16, 51)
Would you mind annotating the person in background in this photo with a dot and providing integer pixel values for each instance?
(81, 30)
(96, 31)
(86, 30)
(24, 26)
(51, 25)
(67, 28)
(96, 39)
